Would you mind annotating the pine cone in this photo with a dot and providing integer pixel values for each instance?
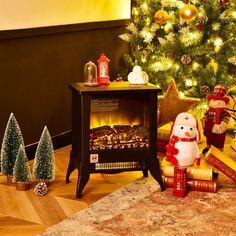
(202, 20)
(205, 89)
(186, 59)
(41, 189)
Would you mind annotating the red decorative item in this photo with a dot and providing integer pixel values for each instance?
(180, 182)
(200, 26)
(103, 70)
(223, 2)
(161, 17)
(172, 53)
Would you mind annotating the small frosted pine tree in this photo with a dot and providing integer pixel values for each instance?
(44, 162)
(21, 171)
(10, 146)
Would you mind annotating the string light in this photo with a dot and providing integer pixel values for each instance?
(148, 20)
(218, 43)
(135, 11)
(181, 94)
(180, 4)
(195, 66)
(234, 14)
(177, 66)
(189, 83)
(205, 106)
(144, 6)
(168, 27)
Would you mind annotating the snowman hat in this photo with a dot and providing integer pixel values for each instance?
(186, 119)
(219, 93)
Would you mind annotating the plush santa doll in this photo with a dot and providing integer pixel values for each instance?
(216, 118)
(182, 149)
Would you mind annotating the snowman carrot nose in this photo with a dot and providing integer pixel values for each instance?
(187, 133)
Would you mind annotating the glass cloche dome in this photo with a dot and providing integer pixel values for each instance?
(90, 74)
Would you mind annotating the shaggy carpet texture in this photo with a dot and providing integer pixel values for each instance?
(140, 208)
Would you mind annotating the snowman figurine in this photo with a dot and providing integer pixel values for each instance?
(182, 149)
(216, 118)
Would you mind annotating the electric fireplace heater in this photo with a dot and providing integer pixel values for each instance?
(114, 129)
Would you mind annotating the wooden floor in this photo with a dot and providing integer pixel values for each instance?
(24, 213)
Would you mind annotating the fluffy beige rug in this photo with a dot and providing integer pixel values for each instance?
(141, 209)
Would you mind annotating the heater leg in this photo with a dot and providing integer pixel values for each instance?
(82, 180)
(156, 173)
(145, 173)
(71, 167)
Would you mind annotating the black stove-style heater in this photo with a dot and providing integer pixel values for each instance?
(114, 129)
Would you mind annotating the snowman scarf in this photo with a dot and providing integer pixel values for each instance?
(215, 114)
(171, 150)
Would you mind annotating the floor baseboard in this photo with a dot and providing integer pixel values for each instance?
(60, 140)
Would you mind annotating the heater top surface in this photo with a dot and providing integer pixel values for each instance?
(114, 86)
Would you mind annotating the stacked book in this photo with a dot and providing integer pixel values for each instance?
(221, 162)
(199, 178)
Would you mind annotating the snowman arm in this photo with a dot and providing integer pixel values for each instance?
(198, 159)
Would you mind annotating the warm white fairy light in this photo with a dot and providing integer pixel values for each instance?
(168, 26)
(180, 4)
(195, 66)
(144, 6)
(177, 66)
(234, 14)
(200, 14)
(205, 106)
(189, 83)
(181, 94)
(194, 35)
(135, 11)
(218, 43)
(148, 21)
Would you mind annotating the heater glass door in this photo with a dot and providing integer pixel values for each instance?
(119, 122)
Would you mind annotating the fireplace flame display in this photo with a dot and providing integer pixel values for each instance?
(118, 124)
(111, 119)
(119, 137)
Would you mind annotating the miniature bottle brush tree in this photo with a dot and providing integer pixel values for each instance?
(44, 162)
(10, 146)
(21, 172)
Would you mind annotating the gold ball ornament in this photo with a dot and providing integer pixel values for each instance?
(188, 12)
(161, 17)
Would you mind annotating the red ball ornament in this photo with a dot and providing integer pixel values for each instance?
(200, 26)
(223, 2)
(161, 17)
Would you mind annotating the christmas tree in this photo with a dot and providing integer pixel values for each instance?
(10, 146)
(192, 41)
(44, 162)
(21, 171)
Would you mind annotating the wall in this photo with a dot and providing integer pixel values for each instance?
(36, 67)
(20, 14)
